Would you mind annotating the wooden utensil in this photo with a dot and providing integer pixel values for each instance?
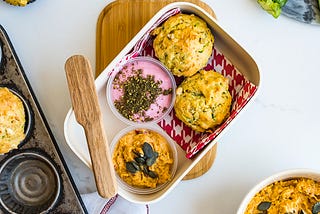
(87, 112)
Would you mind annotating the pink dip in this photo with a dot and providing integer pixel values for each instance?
(149, 66)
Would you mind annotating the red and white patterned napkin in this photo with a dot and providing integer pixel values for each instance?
(115, 205)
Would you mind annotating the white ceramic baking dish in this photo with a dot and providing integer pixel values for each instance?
(229, 58)
(280, 176)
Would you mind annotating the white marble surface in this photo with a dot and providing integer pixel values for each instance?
(280, 130)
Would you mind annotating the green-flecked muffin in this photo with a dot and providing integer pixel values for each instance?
(183, 44)
(203, 101)
(21, 3)
(12, 120)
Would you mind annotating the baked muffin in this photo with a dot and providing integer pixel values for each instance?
(183, 44)
(19, 2)
(203, 100)
(12, 120)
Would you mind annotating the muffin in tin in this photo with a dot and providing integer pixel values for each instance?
(183, 44)
(12, 120)
(19, 2)
(203, 100)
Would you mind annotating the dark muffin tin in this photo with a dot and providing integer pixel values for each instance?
(37, 162)
(29, 182)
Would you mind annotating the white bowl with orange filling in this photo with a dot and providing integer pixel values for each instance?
(295, 191)
(145, 159)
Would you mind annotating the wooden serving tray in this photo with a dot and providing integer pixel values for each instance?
(117, 24)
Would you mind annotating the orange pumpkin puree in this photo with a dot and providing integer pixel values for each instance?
(297, 195)
(129, 145)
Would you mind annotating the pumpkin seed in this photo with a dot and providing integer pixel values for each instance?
(152, 174)
(135, 165)
(140, 160)
(147, 149)
(151, 161)
(143, 161)
(145, 170)
(265, 205)
(138, 154)
(316, 208)
(131, 167)
(156, 154)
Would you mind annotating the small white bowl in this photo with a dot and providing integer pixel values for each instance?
(174, 154)
(149, 67)
(284, 175)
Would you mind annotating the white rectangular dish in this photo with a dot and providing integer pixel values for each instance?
(228, 58)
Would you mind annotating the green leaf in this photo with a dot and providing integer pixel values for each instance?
(273, 7)
(280, 2)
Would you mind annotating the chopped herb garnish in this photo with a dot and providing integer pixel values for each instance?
(139, 93)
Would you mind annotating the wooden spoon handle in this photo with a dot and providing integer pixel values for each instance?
(101, 159)
(87, 112)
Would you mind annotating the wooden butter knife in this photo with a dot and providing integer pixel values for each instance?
(88, 114)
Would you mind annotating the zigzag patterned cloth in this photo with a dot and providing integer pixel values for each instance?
(115, 205)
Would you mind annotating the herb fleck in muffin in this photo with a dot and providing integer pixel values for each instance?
(203, 100)
(184, 44)
(12, 120)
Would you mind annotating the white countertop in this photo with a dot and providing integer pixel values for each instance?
(279, 131)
